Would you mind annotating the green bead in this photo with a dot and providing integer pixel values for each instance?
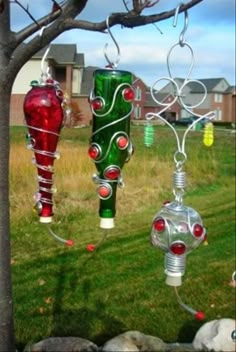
(34, 83)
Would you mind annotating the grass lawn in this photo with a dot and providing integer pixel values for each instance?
(61, 291)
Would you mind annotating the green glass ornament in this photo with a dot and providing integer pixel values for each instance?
(148, 135)
(110, 147)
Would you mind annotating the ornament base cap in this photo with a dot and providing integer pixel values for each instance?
(173, 279)
(45, 219)
(107, 223)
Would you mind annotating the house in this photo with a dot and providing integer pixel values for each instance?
(68, 68)
(219, 97)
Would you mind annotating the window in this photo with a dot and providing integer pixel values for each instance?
(218, 114)
(137, 112)
(218, 98)
(138, 93)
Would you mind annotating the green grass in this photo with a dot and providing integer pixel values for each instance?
(60, 291)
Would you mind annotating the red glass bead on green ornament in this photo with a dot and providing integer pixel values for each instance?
(159, 225)
(178, 248)
(94, 152)
(97, 104)
(128, 94)
(104, 191)
(122, 142)
(112, 173)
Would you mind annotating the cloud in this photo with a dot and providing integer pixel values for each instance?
(211, 33)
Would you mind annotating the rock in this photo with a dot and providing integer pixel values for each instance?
(133, 341)
(64, 344)
(216, 335)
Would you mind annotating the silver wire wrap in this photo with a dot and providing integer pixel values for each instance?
(48, 168)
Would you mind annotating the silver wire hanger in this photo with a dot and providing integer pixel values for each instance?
(111, 64)
(186, 22)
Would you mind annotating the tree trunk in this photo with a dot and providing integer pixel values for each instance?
(6, 308)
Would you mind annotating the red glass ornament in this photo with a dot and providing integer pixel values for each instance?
(128, 94)
(159, 225)
(94, 152)
(122, 142)
(178, 248)
(112, 173)
(44, 118)
(199, 315)
(104, 191)
(198, 230)
(97, 104)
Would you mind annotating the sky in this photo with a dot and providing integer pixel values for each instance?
(210, 35)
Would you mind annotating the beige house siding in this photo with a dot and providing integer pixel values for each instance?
(29, 72)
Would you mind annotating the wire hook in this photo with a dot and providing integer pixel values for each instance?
(110, 63)
(186, 21)
(45, 72)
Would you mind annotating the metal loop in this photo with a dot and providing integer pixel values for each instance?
(186, 21)
(110, 63)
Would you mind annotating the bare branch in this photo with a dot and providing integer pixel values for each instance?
(125, 5)
(129, 20)
(26, 9)
(151, 4)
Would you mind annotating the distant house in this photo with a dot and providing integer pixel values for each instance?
(220, 97)
(68, 68)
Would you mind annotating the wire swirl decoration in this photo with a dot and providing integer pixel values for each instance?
(179, 93)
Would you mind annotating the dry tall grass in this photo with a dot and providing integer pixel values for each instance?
(147, 176)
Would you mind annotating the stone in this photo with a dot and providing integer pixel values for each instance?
(64, 344)
(133, 341)
(216, 335)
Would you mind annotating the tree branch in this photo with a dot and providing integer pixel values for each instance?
(66, 21)
(26, 9)
(128, 20)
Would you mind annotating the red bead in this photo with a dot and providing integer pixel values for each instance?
(91, 247)
(128, 94)
(93, 152)
(159, 225)
(104, 191)
(112, 173)
(199, 315)
(198, 230)
(122, 142)
(178, 248)
(70, 243)
(49, 81)
(97, 104)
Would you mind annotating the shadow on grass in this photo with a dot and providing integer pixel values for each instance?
(189, 330)
(85, 321)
